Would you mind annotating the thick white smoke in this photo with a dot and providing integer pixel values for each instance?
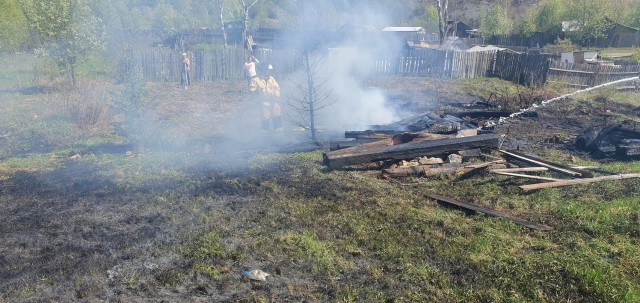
(356, 107)
(348, 63)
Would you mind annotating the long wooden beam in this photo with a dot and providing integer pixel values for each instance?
(411, 150)
(531, 187)
(491, 212)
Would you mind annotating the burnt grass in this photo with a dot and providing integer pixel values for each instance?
(78, 233)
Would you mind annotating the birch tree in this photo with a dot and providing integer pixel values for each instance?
(246, 7)
(443, 15)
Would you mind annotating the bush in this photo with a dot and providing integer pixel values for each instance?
(86, 106)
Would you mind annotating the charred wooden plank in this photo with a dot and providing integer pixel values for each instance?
(531, 187)
(351, 156)
(341, 144)
(371, 134)
(491, 212)
(550, 165)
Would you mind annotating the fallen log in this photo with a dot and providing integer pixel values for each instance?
(550, 165)
(531, 187)
(491, 212)
(364, 154)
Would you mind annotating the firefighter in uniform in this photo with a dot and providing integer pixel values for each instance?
(271, 106)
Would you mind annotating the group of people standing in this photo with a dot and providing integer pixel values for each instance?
(266, 91)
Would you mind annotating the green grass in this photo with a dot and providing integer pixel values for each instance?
(341, 236)
(385, 236)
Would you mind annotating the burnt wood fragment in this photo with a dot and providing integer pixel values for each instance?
(490, 212)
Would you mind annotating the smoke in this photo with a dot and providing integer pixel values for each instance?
(356, 107)
(349, 62)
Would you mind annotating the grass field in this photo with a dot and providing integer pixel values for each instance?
(122, 222)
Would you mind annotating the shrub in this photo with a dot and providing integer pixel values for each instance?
(86, 106)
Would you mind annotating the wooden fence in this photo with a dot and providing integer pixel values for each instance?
(432, 62)
(523, 68)
(165, 65)
(588, 75)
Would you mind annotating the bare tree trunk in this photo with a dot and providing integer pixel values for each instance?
(310, 86)
(443, 14)
(245, 17)
(311, 94)
(224, 30)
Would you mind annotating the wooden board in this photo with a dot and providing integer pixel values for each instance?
(491, 212)
(531, 187)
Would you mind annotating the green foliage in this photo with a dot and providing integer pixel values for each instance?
(636, 56)
(428, 20)
(590, 17)
(546, 16)
(495, 22)
(635, 16)
(69, 30)
(13, 26)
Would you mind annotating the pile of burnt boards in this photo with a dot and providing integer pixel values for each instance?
(611, 141)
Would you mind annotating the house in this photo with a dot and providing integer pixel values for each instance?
(619, 35)
(459, 29)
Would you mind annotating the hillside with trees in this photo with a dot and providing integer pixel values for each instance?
(492, 17)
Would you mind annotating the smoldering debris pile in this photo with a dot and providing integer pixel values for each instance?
(461, 151)
(423, 145)
(611, 141)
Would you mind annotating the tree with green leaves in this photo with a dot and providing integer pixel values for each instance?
(591, 19)
(549, 17)
(495, 21)
(68, 29)
(13, 26)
